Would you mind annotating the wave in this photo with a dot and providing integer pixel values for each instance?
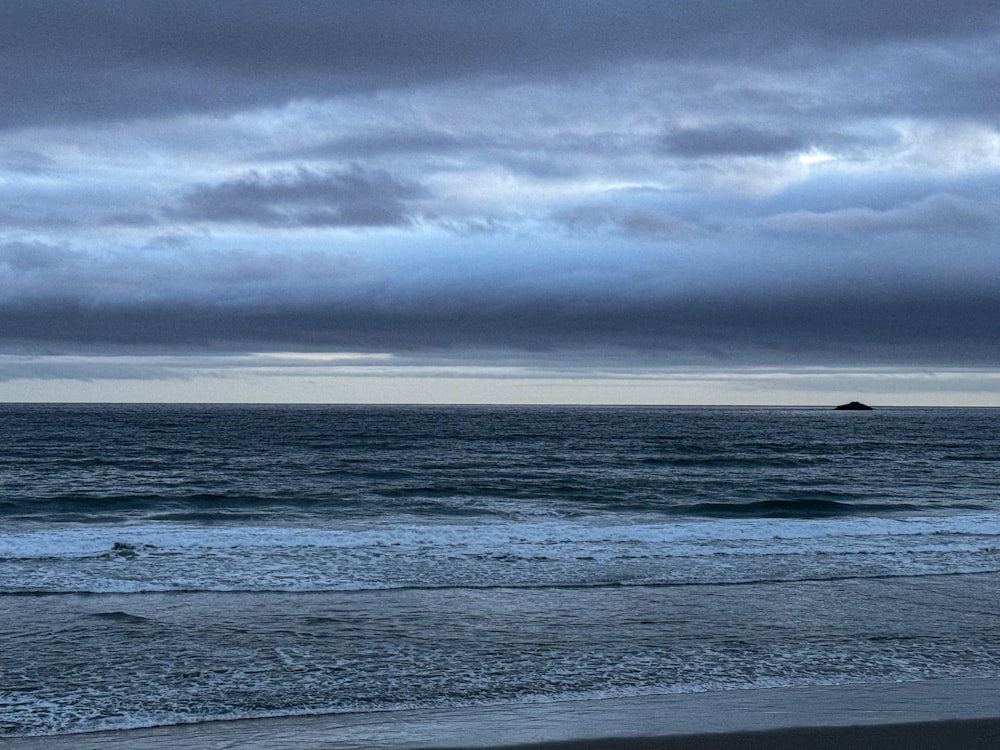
(96, 502)
(120, 616)
(682, 536)
(598, 585)
(230, 507)
(192, 558)
(799, 508)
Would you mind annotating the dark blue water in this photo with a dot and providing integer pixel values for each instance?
(182, 563)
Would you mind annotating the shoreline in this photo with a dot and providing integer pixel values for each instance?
(960, 734)
(963, 714)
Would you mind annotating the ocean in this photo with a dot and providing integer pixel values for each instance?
(165, 564)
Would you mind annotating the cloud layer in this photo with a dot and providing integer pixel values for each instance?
(653, 183)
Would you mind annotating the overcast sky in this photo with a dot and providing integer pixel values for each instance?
(661, 202)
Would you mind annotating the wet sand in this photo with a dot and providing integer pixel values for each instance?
(953, 714)
(971, 734)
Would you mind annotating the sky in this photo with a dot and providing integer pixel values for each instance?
(685, 202)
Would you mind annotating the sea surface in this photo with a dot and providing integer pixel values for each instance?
(172, 564)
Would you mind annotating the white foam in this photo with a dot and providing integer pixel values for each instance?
(164, 556)
(708, 536)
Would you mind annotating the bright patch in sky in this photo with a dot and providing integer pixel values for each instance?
(815, 157)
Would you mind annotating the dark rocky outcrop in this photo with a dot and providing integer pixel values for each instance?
(853, 406)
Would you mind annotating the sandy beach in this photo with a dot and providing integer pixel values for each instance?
(954, 714)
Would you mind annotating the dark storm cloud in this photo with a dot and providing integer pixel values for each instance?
(68, 61)
(240, 301)
(302, 198)
(856, 323)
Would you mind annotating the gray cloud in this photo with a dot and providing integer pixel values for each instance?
(393, 141)
(645, 223)
(540, 154)
(573, 179)
(739, 312)
(730, 141)
(22, 160)
(938, 214)
(32, 256)
(849, 324)
(302, 198)
(68, 61)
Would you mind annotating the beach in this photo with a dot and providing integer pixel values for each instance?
(956, 714)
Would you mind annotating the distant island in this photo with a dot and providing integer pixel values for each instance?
(853, 406)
